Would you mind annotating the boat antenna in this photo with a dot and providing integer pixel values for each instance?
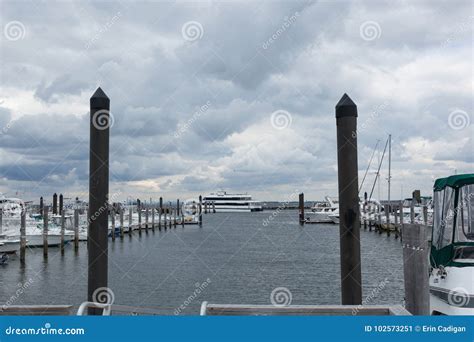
(368, 166)
(378, 170)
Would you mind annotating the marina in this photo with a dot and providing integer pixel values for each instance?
(245, 171)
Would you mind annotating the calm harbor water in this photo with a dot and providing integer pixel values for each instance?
(232, 259)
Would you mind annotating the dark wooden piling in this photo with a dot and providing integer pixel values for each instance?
(45, 232)
(415, 268)
(349, 211)
(213, 207)
(76, 229)
(139, 209)
(387, 218)
(205, 207)
(364, 209)
(130, 220)
(200, 211)
(397, 229)
(100, 122)
(147, 213)
(178, 209)
(412, 211)
(112, 221)
(425, 215)
(161, 213)
(121, 223)
(301, 209)
(174, 217)
(55, 203)
(41, 206)
(23, 237)
(61, 204)
(153, 218)
(63, 227)
(401, 219)
(371, 216)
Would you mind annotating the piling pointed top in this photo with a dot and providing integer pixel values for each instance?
(346, 107)
(99, 100)
(99, 94)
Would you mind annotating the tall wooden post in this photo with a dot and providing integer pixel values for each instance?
(401, 219)
(112, 219)
(100, 123)
(23, 236)
(61, 203)
(161, 212)
(153, 218)
(139, 208)
(41, 206)
(130, 220)
(55, 203)
(415, 269)
(45, 232)
(121, 222)
(349, 211)
(63, 227)
(301, 208)
(425, 215)
(146, 217)
(76, 229)
(178, 209)
(200, 211)
(387, 218)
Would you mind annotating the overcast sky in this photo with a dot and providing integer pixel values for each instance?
(233, 95)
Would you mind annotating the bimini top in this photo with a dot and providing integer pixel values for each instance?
(455, 181)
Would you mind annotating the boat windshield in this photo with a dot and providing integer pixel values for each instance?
(465, 215)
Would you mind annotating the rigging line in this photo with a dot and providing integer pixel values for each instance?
(378, 171)
(368, 166)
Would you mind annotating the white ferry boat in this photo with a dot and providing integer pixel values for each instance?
(228, 203)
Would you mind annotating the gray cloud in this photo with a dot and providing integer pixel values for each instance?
(253, 58)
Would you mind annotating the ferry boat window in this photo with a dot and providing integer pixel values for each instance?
(437, 218)
(448, 217)
(465, 219)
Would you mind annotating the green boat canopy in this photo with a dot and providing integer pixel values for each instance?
(455, 181)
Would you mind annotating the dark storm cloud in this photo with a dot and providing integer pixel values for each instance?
(195, 114)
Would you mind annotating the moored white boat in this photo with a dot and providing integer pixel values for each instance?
(452, 247)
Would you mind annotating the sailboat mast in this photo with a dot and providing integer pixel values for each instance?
(389, 166)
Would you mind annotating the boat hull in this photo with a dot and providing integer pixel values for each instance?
(9, 246)
(453, 292)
